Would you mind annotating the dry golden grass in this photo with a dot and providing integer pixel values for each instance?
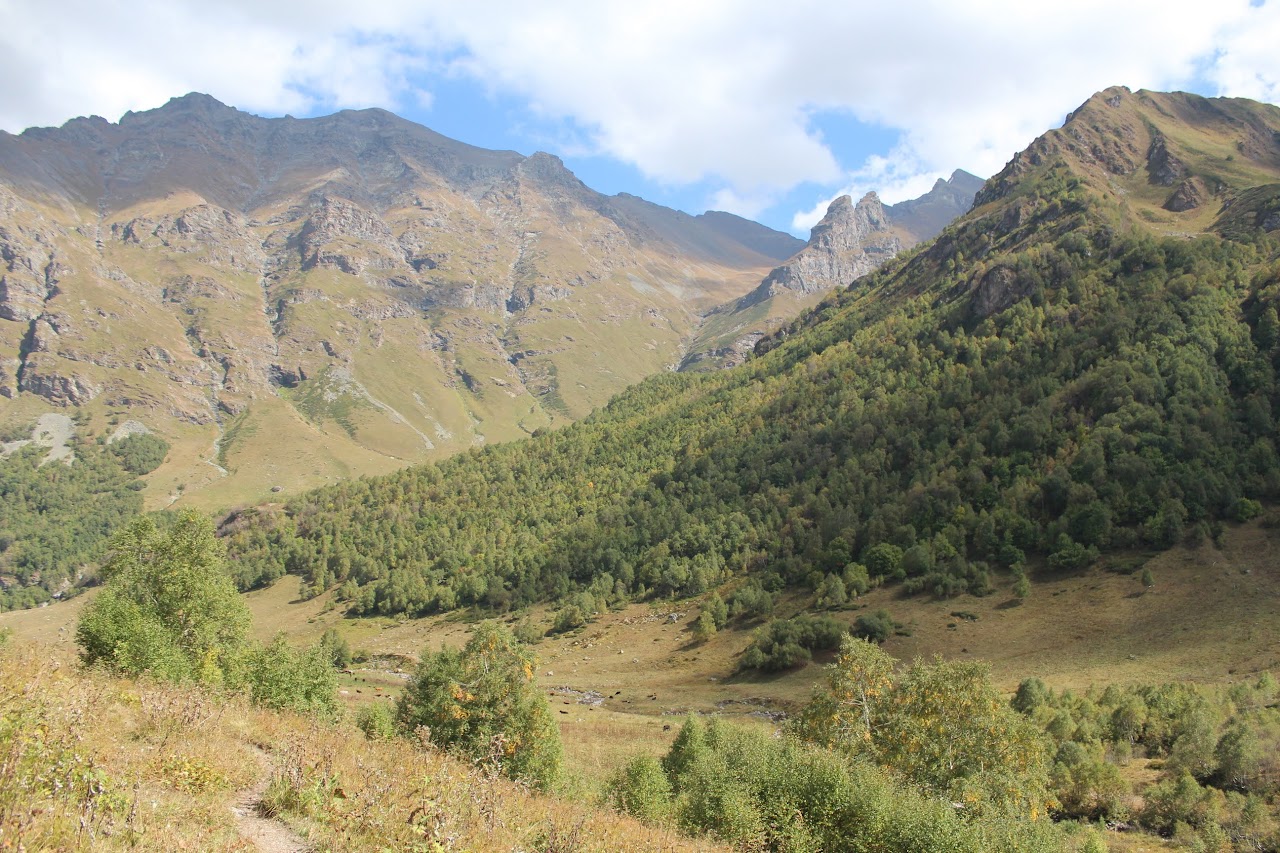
(1212, 617)
(88, 761)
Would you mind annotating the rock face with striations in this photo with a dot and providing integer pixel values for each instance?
(849, 242)
(336, 295)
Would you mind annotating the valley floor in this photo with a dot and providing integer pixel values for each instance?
(623, 683)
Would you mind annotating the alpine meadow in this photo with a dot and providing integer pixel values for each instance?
(907, 538)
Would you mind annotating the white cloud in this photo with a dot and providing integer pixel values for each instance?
(720, 92)
(64, 58)
(1249, 63)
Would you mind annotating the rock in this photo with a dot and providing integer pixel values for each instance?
(849, 242)
(219, 237)
(59, 389)
(1189, 195)
(328, 235)
(998, 289)
(1163, 167)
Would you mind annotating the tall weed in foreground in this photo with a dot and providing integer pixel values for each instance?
(52, 794)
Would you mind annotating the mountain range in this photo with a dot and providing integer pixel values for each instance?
(289, 302)
(1069, 370)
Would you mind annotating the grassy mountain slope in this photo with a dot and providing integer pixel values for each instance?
(93, 762)
(1045, 381)
(291, 302)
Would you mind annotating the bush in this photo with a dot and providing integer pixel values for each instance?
(482, 702)
(751, 601)
(1245, 509)
(705, 628)
(568, 618)
(169, 607)
(528, 633)
(642, 789)
(941, 726)
(335, 648)
(279, 676)
(1071, 555)
(876, 627)
(787, 643)
(377, 720)
(760, 792)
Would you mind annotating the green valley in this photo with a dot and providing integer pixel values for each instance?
(977, 553)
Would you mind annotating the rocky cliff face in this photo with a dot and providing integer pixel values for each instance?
(332, 295)
(849, 242)
(924, 218)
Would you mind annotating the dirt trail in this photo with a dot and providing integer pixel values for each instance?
(267, 835)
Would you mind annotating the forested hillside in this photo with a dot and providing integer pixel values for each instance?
(1050, 379)
(56, 517)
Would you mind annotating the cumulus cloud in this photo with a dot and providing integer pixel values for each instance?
(722, 93)
(65, 58)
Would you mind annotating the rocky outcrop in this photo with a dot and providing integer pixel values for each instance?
(329, 233)
(924, 218)
(998, 289)
(220, 237)
(44, 378)
(849, 242)
(1163, 167)
(30, 272)
(1189, 195)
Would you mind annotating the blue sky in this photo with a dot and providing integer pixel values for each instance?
(768, 110)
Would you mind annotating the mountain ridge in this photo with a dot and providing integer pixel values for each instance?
(849, 242)
(1032, 389)
(216, 273)
(290, 301)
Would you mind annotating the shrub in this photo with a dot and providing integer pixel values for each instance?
(482, 702)
(528, 633)
(705, 628)
(941, 725)
(568, 618)
(786, 643)
(335, 648)
(168, 608)
(751, 601)
(641, 789)
(1246, 509)
(876, 627)
(279, 676)
(761, 792)
(377, 720)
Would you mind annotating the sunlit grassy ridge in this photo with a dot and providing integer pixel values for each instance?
(91, 762)
(1078, 391)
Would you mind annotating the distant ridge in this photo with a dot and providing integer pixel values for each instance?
(289, 301)
(849, 242)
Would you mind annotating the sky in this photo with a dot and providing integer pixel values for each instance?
(765, 109)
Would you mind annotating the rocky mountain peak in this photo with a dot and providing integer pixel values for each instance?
(1163, 158)
(375, 291)
(849, 241)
